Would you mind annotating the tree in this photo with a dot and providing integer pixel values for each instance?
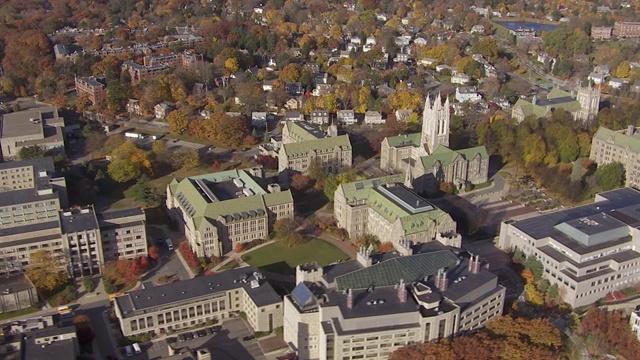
(82, 102)
(610, 176)
(88, 284)
(83, 329)
(285, 227)
(109, 288)
(238, 247)
(122, 171)
(231, 64)
(154, 253)
(623, 70)
(185, 158)
(290, 73)
(45, 270)
(232, 129)
(333, 181)
(31, 152)
(178, 121)
(300, 182)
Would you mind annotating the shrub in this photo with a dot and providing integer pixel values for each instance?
(238, 247)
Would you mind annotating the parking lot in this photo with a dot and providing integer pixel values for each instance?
(226, 344)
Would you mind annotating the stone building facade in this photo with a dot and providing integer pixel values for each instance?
(622, 146)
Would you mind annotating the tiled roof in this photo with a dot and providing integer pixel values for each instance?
(411, 223)
(204, 212)
(387, 273)
(301, 149)
(402, 140)
(445, 155)
(618, 138)
(359, 190)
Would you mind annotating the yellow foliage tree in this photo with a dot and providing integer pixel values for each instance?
(231, 64)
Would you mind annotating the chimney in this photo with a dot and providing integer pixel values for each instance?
(474, 264)
(441, 280)
(402, 292)
(349, 299)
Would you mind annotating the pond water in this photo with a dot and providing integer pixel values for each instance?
(539, 28)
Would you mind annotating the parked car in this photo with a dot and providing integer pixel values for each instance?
(248, 337)
(189, 335)
(182, 338)
(201, 333)
(209, 331)
(195, 335)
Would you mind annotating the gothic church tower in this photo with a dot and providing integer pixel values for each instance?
(589, 99)
(435, 124)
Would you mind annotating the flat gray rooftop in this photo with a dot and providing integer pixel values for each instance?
(200, 287)
(543, 226)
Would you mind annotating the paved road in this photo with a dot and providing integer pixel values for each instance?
(489, 194)
(171, 264)
(95, 310)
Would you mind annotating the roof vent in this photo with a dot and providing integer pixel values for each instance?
(184, 292)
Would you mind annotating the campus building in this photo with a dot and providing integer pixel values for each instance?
(426, 158)
(304, 145)
(188, 303)
(369, 307)
(93, 87)
(41, 126)
(31, 201)
(588, 251)
(218, 210)
(626, 29)
(621, 146)
(139, 72)
(386, 208)
(583, 107)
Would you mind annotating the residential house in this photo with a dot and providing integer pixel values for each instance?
(267, 85)
(467, 93)
(460, 78)
(477, 29)
(320, 117)
(403, 115)
(617, 83)
(427, 61)
(373, 117)
(320, 78)
(293, 116)
(597, 78)
(163, 109)
(346, 117)
(295, 89)
(133, 107)
(322, 90)
(259, 119)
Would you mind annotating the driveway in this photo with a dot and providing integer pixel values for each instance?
(171, 264)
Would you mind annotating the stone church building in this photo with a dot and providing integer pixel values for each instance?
(426, 158)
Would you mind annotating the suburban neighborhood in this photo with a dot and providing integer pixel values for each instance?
(319, 180)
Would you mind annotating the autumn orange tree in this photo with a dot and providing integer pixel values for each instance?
(503, 338)
(611, 329)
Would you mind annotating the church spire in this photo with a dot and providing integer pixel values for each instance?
(408, 177)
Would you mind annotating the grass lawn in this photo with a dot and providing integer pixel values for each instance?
(12, 314)
(280, 258)
(228, 266)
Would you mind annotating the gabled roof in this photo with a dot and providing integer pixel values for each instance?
(404, 140)
(301, 149)
(203, 210)
(446, 156)
(618, 138)
(408, 268)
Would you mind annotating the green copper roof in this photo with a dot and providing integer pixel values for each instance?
(298, 133)
(529, 109)
(556, 98)
(414, 139)
(203, 210)
(618, 138)
(359, 190)
(411, 223)
(446, 156)
(387, 273)
(301, 149)
(416, 223)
